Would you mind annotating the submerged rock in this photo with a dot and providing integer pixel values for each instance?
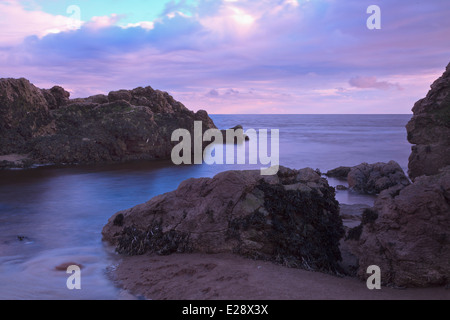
(429, 130)
(291, 218)
(64, 266)
(48, 127)
(408, 235)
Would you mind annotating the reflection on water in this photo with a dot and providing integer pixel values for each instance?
(60, 212)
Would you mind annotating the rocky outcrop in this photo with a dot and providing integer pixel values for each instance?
(291, 218)
(48, 127)
(429, 130)
(24, 114)
(408, 234)
(374, 178)
(371, 178)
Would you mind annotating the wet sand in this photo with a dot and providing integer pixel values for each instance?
(231, 277)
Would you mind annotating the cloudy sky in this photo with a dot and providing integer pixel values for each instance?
(233, 56)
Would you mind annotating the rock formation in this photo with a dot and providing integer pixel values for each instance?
(429, 130)
(371, 178)
(291, 218)
(24, 114)
(339, 173)
(125, 125)
(408, 235)
(374, 178)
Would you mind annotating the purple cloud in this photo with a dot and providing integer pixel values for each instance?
(213, 93)
(371, 82)
(290, 56)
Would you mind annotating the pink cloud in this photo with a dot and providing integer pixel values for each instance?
(372, 83)
(17, 23)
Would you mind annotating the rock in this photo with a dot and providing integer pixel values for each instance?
(119, 95)
(238, 138)
(291, 218)
(202, 115)
(340, 173)
(66, 265)
(429, 130)
(23, 113)
(99, 98)
(341, 187)
(158, 101)
(49, 128)
(410, 239)
(56, 97)
(374, 178)
(352, 213)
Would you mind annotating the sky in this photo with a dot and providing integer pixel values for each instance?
(233, 56)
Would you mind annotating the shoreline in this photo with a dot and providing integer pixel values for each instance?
(229, 277)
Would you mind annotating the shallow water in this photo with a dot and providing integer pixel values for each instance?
(60, 212)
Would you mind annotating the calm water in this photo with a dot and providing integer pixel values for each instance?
(61, 211)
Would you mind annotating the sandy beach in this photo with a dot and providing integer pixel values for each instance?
(230, 277)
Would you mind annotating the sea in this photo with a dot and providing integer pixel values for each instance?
(54, 215)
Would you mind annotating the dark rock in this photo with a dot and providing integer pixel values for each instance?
(64, 266)
(97, 129)
(374, 178)
(119, 95)
(292, 218)
(99, 98)
(351, 214)
(238, 138)
(24, 114)
(56, 97)
(202, 115)
(429, 130)
(408, 235)
(341, 187)
(369, 215)
(340, 173)
(118, 220)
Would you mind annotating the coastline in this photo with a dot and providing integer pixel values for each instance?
(227, 276)
(230, 277)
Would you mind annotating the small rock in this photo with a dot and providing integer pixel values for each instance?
(66, 265)
(339, 173)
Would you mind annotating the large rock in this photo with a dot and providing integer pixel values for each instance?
(23, 114)
(409, 238)
(123, 126)
(291, 218)
(429, 130)
(374, 178)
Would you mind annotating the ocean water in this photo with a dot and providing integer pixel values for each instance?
(60, 212)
